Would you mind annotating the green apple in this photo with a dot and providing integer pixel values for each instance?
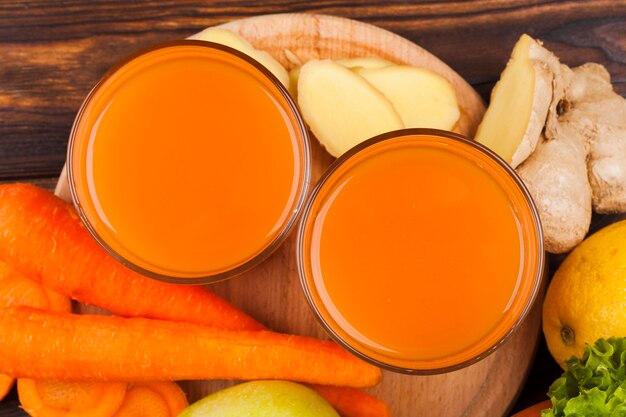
(262, 399)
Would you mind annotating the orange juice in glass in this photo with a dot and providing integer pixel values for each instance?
(189, 162)
(420, 251)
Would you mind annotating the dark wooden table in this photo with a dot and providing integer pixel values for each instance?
(52, 52)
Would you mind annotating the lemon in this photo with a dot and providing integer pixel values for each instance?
(586, 299)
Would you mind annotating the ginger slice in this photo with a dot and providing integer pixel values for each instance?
(519, 102)
(364, 62)
(351, 63)
(294, 75)
(421, 97)
(341, 108)
(230, 39)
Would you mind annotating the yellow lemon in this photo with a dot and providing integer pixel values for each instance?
(586, 299)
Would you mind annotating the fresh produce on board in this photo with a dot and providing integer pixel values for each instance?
(567, 143)
(262, 399)
(586, 299)
(566, 139)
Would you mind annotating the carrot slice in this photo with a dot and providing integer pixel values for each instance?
(153, 399)
(142, 401)
(70, 399)
(6, 383)
(353, 402)
(43, 238)
(52, 345)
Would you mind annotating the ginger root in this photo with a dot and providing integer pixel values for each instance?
(599, 114)
(565, 209)
(577, 143)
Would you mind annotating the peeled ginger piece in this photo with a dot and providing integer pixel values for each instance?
(342, 108)
(519, 103)
(351, 63)
(230, 39)
(421, 97)
(364, 62)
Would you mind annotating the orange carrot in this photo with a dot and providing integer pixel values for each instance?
(62, 346)
(353, 402)
(153, 399)
(15, 289)
(43, 238)
(6, 383)
(70, 399)
(535, 410)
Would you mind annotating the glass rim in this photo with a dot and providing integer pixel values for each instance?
(303, 274)
(304, 152)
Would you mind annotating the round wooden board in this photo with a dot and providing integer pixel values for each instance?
(271, 292)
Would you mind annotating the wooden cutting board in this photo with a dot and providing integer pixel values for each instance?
(271, 292)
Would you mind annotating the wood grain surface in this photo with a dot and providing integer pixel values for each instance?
(52, 52)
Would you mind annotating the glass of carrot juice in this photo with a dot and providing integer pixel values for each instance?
(189, 162)
(420, 251)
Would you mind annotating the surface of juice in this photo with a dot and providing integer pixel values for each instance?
(419, 251)
(188, 161)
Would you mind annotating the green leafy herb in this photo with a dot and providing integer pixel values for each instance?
(594, 386)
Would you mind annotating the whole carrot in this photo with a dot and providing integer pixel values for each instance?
(6, 383)
(353, 402)
(64, 346)
(42, 237)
